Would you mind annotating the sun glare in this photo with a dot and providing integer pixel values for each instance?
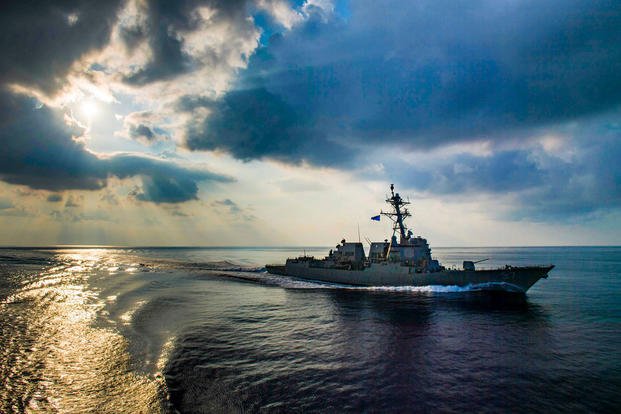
(89, 109)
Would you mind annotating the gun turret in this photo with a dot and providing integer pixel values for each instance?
(469, 264)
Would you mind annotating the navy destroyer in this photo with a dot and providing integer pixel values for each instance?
(404, 261)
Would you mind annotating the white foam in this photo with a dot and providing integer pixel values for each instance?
(294, 283)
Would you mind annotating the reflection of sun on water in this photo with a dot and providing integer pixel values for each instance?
(59, 353)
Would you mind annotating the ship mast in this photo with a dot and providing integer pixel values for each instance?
(400, 213)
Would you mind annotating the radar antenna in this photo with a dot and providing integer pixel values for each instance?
(400, 213)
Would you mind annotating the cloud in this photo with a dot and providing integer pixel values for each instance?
(109, 197)
(422, 77)
(141, 126)
(167, 57)
(257, 124)
(579, 176)
(42, 40)
(162, 181)
(233, 209)
(54, 198)
(41, 151)
(42, 147)
(76, 217)
(176, 212)
(185, 36)
(230, 204)
(159, 189)
(325, 90)
(417, 75)
(73, 202)
(5, 203)
(9, 208)
(501, 171)
(141, 131)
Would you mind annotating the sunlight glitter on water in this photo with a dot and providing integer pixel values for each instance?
(194, 330)
(129, 315)
(57, 356)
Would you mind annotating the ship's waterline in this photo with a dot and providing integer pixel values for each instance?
(510, 279)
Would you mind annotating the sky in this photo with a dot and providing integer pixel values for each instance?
(274, 122)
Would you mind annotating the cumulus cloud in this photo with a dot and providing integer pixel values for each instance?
(258, 124)
(160, 189)
(322, 90)
(142, 126)
(419, 75)
(41, 40)
(141, 131)
(186, 37)
(577, 176)
(45, 46)
(42, 151)
(427, 75)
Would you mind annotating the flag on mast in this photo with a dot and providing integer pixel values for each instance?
(376, 218)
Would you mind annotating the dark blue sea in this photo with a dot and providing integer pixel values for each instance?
(202, 330)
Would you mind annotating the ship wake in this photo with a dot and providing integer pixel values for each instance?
(263, 277)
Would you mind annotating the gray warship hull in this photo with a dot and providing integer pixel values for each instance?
(510, 278)
(403, 261)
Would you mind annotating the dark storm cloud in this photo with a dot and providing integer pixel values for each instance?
(418, 74)
(163, 181)
(159, 189)
(164, 26)
(583, 179)
(40, 40)
(500, 172)
(255, 124)
(167, 57)
(588, 185)
(39, 151)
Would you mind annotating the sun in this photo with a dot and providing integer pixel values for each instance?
(89, 109)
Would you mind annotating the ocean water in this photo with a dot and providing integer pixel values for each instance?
(107, 330)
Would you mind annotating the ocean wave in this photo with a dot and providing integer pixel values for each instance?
(224, 266)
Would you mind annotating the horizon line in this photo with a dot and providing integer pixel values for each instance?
(104, 246)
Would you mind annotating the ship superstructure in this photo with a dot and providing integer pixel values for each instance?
(403, 260)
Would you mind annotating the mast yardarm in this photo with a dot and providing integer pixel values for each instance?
(400, 213)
